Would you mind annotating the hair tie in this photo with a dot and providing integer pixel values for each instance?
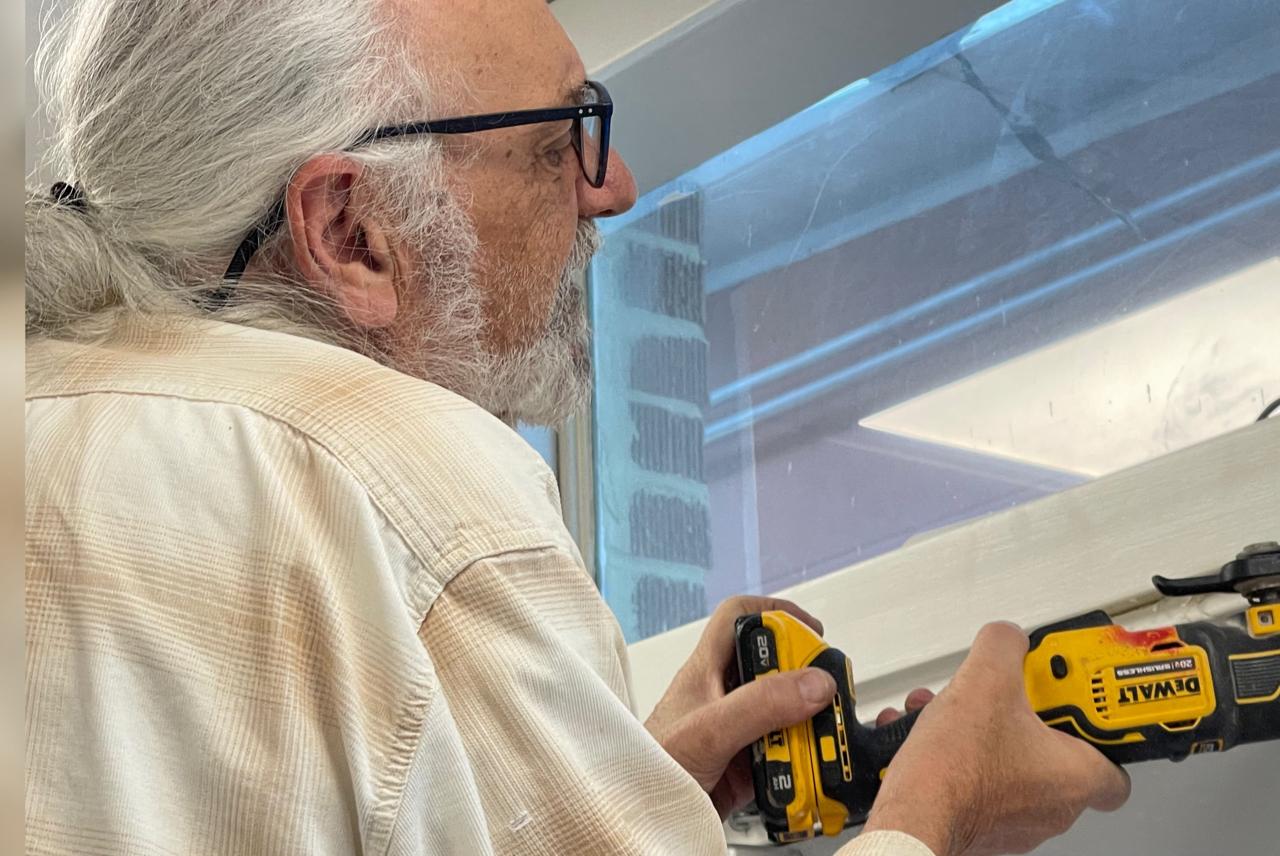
(69, 195)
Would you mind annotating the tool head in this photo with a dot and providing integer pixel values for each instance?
(1254, 573)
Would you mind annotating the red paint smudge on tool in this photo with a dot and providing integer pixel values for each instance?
(1144, 638)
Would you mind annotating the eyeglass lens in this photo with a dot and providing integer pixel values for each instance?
(590, 129)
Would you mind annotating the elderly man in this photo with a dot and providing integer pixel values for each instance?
(291, 586)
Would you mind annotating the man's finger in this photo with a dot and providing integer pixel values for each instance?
(731, 608)
(734, 790)
(1111, 783)
(917, 699)
(727, 726)
(787, 606)
(717, 638)
(887, 716)
(996, 661)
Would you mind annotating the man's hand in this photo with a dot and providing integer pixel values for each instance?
(705, 729)
(981, 774)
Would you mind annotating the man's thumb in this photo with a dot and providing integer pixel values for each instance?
(777, 701)
(996, 659)
(751, 711)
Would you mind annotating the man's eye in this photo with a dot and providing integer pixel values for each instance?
(558, 151)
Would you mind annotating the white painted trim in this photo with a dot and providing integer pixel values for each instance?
(906, 618)
(693, 78)
(609, 33)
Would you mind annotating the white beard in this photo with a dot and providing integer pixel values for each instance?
(550, 380)
(543, 383)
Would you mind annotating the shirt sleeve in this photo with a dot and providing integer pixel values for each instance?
(531, 664)
(885, 844)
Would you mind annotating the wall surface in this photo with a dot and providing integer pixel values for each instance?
(692, 78)
(1205, 805)
(34, 127)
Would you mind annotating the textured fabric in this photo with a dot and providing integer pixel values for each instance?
(283, 600)
(884, 844)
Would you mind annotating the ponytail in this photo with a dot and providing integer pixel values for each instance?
(75, 269)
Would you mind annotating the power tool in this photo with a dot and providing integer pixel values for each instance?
(1204, 686)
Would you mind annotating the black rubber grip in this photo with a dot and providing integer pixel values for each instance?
(1257, 678)
(888, 739)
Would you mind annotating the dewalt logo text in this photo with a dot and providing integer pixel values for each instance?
(1158, 690)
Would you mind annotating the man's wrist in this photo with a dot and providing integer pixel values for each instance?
(932, 821)
(934, 835)
(886, 842)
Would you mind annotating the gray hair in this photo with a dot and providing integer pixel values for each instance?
(183, 121)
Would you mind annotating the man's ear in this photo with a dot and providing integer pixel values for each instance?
(336, 246)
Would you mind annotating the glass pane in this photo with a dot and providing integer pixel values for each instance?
(543, 441)
(1041, 250)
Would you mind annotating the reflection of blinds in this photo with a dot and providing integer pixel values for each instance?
(659, 583)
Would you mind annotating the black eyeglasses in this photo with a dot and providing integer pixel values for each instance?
(589, 134)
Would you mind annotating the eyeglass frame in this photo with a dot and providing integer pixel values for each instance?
(601, 108)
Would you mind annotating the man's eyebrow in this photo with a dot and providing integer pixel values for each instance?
(573, 92)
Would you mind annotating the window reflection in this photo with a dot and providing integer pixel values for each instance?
(1040, 250)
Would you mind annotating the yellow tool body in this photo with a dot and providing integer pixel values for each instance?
(1141, 695)
(788, 762)
(1114, 682)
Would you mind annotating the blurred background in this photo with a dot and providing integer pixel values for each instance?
(11, 360)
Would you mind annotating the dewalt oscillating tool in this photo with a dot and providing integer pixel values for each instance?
(1205, 686)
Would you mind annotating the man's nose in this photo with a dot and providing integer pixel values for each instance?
(615, 197)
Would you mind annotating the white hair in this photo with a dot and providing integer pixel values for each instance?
(182, 121)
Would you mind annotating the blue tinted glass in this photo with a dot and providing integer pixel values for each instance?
(1039, 251)
(543, 441)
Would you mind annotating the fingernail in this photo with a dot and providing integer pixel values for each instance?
(816, 686)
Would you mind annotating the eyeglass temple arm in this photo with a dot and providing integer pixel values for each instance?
(264, 229)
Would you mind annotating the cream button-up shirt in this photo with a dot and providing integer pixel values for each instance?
(283, 600)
